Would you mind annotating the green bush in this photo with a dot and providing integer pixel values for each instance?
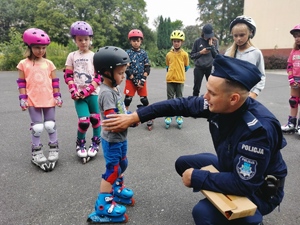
(275, 62)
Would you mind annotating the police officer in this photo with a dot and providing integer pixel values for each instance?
(246, 136)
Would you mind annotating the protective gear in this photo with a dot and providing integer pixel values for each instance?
(58, 100)
(147, 69)
(97, 79)
(127, 100)
(178, 35)
(112, 173)
(35, 36)
(135, 33)
(186, 68)
(73, 91)
(294, 101)
(95, 120)
(295, 29)
(37, 129)
(143, 80)
(81, 28)
(55, 82)
(107, 58)
(50, 126)
(68, 75)
(83, 124)
(246, 20)
(23, 101)
(144, 101)
(21, 83)
(87, 91)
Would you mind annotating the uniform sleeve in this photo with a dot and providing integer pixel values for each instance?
(192, 106)
(248, 171)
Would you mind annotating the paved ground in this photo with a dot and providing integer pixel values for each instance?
(67, 195)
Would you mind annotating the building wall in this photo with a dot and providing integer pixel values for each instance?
(274, 19)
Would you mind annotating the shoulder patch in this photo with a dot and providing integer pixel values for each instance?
(246, 168)
(251, 121)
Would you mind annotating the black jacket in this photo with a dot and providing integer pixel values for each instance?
(206, 60)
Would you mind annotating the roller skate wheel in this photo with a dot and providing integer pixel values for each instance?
(167, 126)
(84, 160)
(132, 202)
(149, 128)
(126, 218)
(179, 126)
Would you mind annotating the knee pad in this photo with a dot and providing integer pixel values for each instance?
(83, 124)
(123, 164)
(144, 101)
(127, 100)
(95, 120)
(294, 101)
(37, 129)
(112, 173)
(50, 126)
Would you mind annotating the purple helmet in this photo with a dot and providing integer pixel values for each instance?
(35, 36)
(81, 28)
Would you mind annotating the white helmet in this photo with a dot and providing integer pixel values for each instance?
(246, 20)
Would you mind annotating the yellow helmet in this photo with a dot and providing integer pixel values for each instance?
(177, 34)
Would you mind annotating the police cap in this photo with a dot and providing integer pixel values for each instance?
(237, 70)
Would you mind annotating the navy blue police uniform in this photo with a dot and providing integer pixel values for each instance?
(247, 144)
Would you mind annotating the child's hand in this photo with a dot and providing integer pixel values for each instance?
(23, 102)
(58, 101)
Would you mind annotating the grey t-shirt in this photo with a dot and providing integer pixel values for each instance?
(111, 99)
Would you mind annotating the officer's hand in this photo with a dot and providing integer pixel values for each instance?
(187, 177)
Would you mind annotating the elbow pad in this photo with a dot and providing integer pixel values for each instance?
(147, 69)
(68, 75)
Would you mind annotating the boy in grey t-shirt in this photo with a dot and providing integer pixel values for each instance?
(111, 62)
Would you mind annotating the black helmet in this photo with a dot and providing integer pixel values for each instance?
(107, 58)
(246, 20)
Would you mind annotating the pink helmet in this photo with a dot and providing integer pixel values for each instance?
(135, 33)
(35, 36)
(296, 28)
(81, 28)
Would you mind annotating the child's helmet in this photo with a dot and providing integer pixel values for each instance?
(295, 29)
(135, 33)
(177, 34)
(81, 28)
(107, 58)
(246, 20)
(35, 36)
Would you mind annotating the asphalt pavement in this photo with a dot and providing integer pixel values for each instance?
(65, 196)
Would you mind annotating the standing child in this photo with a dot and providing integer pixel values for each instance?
(177, 61)
(83, 85)
(137, 71)
(111, 63)
(293, 71)
(243, 29)
(39, 93)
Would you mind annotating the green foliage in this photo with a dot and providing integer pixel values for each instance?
(164, 31)
(11, 52)
(220, 13)
(191, 34)
(58, 53)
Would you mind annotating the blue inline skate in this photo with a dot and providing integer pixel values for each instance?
(168, 121)
(107, 211)
(122, 194)
(179, 121)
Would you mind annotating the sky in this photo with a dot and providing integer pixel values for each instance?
(184, 10)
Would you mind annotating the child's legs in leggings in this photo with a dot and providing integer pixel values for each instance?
(94, 114)
(36, 125)
(83, 114)
(49, 117)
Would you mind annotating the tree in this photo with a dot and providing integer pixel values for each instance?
(191, 34)
(164, 31)
(220, 13)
